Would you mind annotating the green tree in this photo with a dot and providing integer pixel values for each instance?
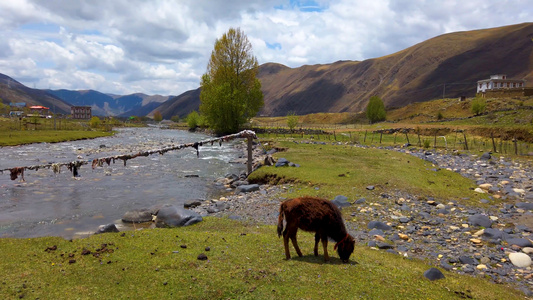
(157, 116)
(292, 120)
(193, 119)
(230, 92)
(175, 119)
(375, 110)
(478, 106)
(94, 122)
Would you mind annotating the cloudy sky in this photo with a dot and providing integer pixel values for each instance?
(162, 47)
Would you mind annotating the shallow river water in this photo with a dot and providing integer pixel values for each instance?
(61, 205)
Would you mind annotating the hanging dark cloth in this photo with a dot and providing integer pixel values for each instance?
(15, 172)
(74, 166)
(195, 146)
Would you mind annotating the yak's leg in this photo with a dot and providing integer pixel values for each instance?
(317, 239)
(286, 244)
(295, 243)
(325, 245)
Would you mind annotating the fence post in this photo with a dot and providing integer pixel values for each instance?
(493, 144)
(380, 137)
(364, 141)
(249, 155)
(466, 143)
(515, 146)
(407, 137)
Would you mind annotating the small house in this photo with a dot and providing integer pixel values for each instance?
(497, 82)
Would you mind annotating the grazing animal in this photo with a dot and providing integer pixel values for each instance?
(314, 215)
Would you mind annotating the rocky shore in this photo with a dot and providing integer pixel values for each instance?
(493, 240)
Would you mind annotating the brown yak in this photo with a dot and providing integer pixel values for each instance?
(314, 215)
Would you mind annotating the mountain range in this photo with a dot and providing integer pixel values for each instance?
(447, 66)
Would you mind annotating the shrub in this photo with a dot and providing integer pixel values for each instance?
(193, 119)
(94, 122)
(292, 120)
(426, 143)
(478, 106)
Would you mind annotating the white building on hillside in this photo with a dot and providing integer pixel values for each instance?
(497, 82)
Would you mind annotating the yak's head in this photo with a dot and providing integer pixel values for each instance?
(345, 248)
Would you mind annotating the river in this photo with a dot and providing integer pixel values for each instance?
(49, 204)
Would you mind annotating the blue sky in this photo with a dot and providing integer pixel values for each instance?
(163, 46)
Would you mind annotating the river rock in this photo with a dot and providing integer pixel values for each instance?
(107, 228)
(282, 162)
(433, 274)
(524, 205)
(172, 216)
(480, 220)
(237, 183)
(520, 260)
(494, 234)
(341, 201)
(378, 225)
(519, 242)
(527, 250)
(192, 203)
(466, 260)
(137, 216)
(486, 156)
(485, 186)
(247, 188)
(269, 160)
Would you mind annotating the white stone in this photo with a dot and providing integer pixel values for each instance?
(479, 190)
(520, 260)
(485, 186)
(440, 206)
(493, 218)
(479, 232)
(519, 191)
(527, 250)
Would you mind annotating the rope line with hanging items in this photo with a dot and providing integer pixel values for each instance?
(73, 166)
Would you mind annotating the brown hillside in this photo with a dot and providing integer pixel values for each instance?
(419, 73)
(450, 64)
(14, 91)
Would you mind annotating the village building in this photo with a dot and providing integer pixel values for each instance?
(81, 112)
(499, 82)
(501, 86)
(39, 111)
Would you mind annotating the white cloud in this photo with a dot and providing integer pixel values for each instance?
(126, 46)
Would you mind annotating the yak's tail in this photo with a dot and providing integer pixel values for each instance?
(280, 219)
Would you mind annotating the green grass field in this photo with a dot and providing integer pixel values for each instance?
(12, 138)
(244, 261)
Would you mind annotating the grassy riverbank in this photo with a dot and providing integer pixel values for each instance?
(246, 261)
(330, 170)
(12, 138)
(243, 261)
